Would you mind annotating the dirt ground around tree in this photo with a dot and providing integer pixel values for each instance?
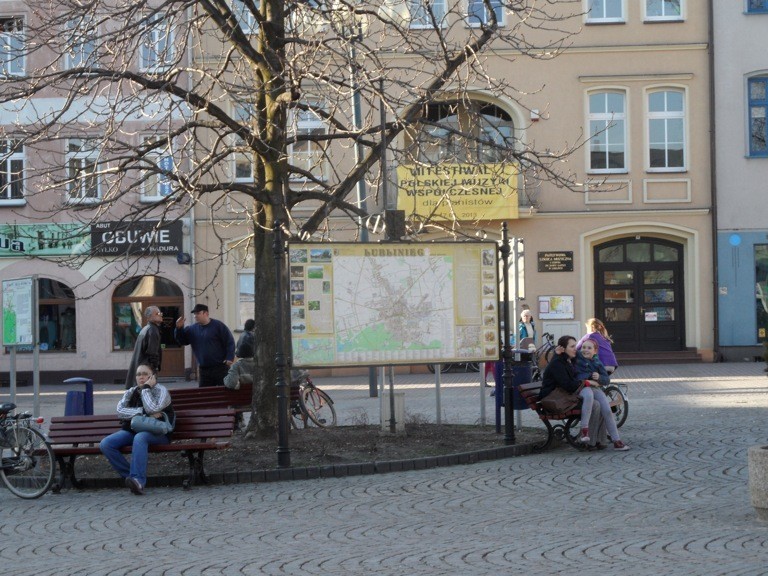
(324, 446)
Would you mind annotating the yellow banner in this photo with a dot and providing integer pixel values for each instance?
(464, 192)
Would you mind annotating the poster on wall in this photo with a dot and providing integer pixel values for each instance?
(556, 307)
(355, 304)
(18, 311)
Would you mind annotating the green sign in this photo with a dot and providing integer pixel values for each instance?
(18, 240)
(18, 312)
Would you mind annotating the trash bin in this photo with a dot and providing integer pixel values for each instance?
(522, 373)
(79, 403)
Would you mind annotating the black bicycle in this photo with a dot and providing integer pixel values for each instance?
(28, 464)
(462, 366)
(309, 404)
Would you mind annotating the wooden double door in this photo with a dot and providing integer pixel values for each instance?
(639, 293)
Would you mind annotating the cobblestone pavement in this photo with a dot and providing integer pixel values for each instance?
(677, 503)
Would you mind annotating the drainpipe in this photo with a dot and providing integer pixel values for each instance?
(713, 180)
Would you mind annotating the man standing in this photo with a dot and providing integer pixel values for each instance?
(246, 344)
(148, 349)
(212, 344)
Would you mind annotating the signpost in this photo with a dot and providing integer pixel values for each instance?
(20, 328)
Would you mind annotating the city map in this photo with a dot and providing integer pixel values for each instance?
(368, 304)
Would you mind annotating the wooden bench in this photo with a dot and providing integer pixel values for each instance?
(565, 426)
(213, 397)
(196, 432)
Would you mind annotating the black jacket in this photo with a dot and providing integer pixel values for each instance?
(561, 372)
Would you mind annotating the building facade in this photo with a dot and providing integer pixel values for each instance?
(741, 160)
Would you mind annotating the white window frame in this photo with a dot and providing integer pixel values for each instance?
(603, 19)
(154, 186)
(82, 46)
(663, 16)
(480, 13)
(243, 111)
(86, 161)
(12, 46)
(420, 16)
(157, 50)
(607, 119)
(666, 116)
(7, 170)
(307, 122)
(245, 17)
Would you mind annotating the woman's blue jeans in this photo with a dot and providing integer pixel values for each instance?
(141, 442)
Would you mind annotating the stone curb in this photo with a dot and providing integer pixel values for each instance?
(331, 470)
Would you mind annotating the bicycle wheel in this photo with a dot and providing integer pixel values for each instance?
(28, 463)
(619, 404)
(295, 416)
(318, 406)
(473, 367)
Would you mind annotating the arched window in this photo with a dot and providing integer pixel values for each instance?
(607, 131)
(461, 131)
(666, 130)
(132, 297)
(57, 316)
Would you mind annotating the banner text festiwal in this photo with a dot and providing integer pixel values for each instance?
(468, 191)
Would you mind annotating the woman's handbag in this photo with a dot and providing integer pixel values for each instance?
(559, 401)
(141, 423)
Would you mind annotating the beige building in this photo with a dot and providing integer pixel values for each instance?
(630, 241)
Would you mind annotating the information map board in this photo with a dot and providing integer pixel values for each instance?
(355, 304)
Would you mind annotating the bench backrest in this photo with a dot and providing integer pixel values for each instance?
(206, 424)
(212, 397)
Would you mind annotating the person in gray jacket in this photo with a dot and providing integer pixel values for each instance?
(148, 348)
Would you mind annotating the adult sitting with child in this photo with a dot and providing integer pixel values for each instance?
(563, 372)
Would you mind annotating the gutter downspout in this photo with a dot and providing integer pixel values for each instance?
(717, 356)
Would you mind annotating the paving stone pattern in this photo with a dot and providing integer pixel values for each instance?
(677, 503)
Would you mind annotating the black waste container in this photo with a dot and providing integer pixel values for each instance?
(522, 373)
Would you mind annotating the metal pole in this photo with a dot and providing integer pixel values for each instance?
(509, 418)
(283, 450)
(392, 419)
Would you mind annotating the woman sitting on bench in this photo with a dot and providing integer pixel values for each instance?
(146, 397)
(561, 372)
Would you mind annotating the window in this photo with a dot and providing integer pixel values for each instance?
(243, 158)
(11, 172)
(607, 132)
(457, 132)
(81, 44)
(82, 176)
(246, 296)
(245, 17)
(157, 51)
(424, 11)
(477, 12)
(57, 316)
(758, 110)
(663, 9)
(757, 6)
(306, 154)
(156, 181)
(606, 11)
(666, 131)
(11, 46)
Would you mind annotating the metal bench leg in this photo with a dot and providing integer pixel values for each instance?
(196, 469)
(66, 474)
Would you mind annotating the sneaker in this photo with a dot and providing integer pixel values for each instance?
(619, 445)
(584, 438)
(133, 485)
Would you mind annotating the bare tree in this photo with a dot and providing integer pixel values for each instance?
(209, 101)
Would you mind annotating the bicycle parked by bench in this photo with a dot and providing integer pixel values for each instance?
(309, 404)
(28, 464)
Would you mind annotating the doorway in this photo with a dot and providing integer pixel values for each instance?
(639, 293)
(129, 301)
